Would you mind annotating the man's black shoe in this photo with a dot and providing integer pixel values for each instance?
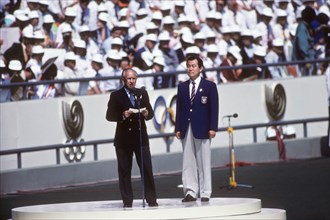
(189, 198)
(205, 199)
(127, 205)
(153, 204)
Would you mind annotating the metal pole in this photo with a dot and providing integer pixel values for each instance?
(141, 151)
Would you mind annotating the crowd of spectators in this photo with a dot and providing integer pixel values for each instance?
(102, 37)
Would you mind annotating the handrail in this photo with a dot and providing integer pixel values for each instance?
(95, 143)
(102, 78)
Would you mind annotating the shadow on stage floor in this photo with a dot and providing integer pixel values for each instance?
(301, 187)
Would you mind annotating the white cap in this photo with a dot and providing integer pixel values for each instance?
(15, 65)
(151, 26)
(211, 15)
(114, 55)
(289, 130)
(48, 18)
(122, 54)
(260, 51)
(117, 41)
(191, 18)
(27, 32)
(157, 15)
(325, 10)
(21, 17)
(147, 58)
(164, 36)
(278, 42)
(151, 37)
(256, 33)
(212, 48)
(98, 58)
(218, 15)
(179, 3)
(182, 18)
(83, 28)
(103, 17)
(44, 2)
(66, 28)
(80, 43)
(142, 11)
(36, 70)
(246, 32)
(281, 13)
(168, 20)
(199, 36)
(235, 28)
(267, 12)
(210, 34)
(164, 6)
(122, 12)
(159, 60)
(225, 29)
(70, 12)
(235, 51)
(70, 56)
(37, 49)
(123, 24)
(33, 14)
(188, 38)
(38, 35)
(193, 50)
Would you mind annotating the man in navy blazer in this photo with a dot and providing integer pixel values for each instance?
(127, 137)
(197, 113)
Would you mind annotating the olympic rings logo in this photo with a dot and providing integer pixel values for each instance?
(164, 114)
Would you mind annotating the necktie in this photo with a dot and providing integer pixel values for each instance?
(131, 97)
(193, 93)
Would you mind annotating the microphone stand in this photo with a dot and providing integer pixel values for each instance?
(138, 100)
(232, 181)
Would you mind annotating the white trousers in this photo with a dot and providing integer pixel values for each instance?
(196, 167)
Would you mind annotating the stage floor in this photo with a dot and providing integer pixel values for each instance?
(216, 208)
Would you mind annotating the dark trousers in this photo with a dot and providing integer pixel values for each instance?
(124, 160)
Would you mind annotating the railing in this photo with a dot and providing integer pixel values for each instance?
(95, 143)
(103, 78)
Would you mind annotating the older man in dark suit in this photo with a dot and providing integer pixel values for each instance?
(127, 138)
(196, 124)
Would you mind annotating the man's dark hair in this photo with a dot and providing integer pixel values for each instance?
(195, 57)
(308, 14)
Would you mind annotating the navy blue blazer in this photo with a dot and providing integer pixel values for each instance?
(203, 115)
(127, 130)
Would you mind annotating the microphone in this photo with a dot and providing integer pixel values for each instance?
(235, 115)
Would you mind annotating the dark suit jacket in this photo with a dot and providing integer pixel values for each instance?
(203, 114)
(127, 130)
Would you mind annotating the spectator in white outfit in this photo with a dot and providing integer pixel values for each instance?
(276, 55)
(265, 26)
(70, 15)
(111, 68)
(70, 72)
(281, 26)
(212, 60)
